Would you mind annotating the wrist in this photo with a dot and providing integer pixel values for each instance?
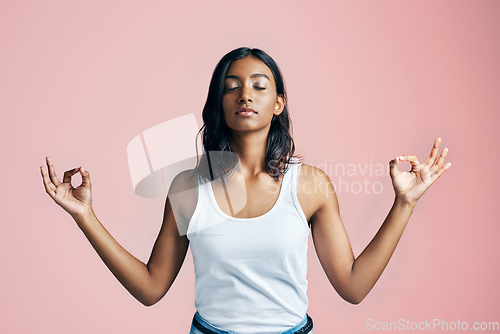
(402, 203)
(83, 215)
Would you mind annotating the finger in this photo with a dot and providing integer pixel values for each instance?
(52, 172)
(69, 173)
(50, 188)
(411, 158)
(442, 170)
(434, 152)
(440, 161)
(85, 178)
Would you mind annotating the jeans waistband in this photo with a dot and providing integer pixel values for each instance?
(303, 327)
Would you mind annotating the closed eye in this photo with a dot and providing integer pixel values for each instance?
(234, 88)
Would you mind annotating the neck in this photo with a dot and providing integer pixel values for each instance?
(251, 149)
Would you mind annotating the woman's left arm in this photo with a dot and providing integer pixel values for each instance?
(353, 278)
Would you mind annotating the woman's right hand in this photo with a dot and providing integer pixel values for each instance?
(76, 201)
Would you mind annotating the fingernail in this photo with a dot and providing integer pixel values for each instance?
(82, 169)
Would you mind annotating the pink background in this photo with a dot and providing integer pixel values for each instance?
(367, 81)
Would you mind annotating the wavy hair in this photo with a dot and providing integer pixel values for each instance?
(216, 135)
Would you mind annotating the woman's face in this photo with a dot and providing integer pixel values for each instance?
(250, 98)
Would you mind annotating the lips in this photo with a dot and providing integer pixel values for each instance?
(246, 111)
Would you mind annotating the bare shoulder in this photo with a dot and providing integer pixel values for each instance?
(183, 196)
(183, 181)
(310, 172)
(313, 176)
(314, 189)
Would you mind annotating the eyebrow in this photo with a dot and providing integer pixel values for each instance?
(255, 75)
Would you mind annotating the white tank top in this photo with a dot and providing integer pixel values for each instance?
(251, 272)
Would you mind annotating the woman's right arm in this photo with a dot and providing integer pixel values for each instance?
(147, 283)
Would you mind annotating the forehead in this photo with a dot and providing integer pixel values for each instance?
(247, 66)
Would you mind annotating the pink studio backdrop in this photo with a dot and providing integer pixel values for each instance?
(367, 81)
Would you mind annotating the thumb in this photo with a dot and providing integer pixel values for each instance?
(393, 167)
(85, 178)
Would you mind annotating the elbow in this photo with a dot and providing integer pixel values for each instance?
(148, 301)
(353, 293)
(353, 298)
(152, 295)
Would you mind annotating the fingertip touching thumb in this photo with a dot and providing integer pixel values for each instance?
(393, 165)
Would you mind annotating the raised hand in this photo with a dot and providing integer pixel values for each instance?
(410, 186)
(76, 201)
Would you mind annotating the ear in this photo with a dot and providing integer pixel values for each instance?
(280, 105)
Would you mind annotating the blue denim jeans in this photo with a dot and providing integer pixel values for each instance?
(209, 328)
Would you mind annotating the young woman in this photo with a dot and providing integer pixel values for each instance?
(249, 250)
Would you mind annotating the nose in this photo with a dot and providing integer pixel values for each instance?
(246, 95)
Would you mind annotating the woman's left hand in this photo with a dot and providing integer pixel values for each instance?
(410, 186)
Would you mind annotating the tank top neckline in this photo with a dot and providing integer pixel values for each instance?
(284, 183)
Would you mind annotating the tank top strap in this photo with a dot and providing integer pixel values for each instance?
(201, 189)
(295, 171)
(294, 184)
(287, 182)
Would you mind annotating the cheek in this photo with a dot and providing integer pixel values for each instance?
(270, 102)
(225, 105)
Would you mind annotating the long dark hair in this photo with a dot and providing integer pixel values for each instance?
(216, 134)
